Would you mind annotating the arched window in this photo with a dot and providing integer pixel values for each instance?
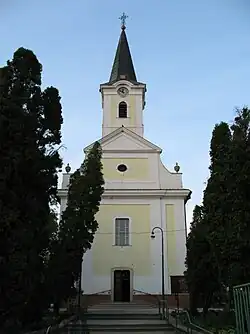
(123, 110)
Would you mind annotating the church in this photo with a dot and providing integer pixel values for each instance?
(140, 247)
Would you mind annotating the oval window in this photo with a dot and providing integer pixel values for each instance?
(122, 168)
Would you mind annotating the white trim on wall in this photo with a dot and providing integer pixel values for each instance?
(128, 108)
(131, 281)
(130, 230)
(120, 163)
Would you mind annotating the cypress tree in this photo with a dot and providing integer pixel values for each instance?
(30, 132)
(78, 224)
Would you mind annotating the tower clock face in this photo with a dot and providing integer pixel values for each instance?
(123, 91)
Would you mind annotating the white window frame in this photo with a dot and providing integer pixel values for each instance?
(128, 109)
(129, 230)
(122, 163)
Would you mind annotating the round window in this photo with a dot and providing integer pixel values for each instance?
(122, 168)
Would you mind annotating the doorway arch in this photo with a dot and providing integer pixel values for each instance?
(122, 284)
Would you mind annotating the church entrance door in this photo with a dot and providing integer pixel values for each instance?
(122, 286)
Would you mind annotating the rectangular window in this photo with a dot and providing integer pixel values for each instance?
(122, 232)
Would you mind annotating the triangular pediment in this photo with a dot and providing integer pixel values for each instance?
(125, 140)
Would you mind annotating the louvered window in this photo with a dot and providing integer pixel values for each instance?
(123, 112)
(122, 232)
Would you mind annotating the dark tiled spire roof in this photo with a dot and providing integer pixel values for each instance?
(123, 67)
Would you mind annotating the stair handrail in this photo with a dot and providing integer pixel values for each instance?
(146, 293)
(149, 294)
(99, 292)
(48, 330)
(102, 292)
(190, 325)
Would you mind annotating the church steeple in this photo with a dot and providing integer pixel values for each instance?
(123, 68)
(123, 97)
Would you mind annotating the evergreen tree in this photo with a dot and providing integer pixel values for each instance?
(224, 226)
(78, 224)
(217, 200)
(237, 243)
(204, 244)
(226, 199)
(200, 273)
(30, 132)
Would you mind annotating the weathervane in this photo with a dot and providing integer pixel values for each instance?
(123, 20)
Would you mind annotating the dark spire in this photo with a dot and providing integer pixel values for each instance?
(123, 67)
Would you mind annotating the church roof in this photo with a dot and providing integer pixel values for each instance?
(123, 68)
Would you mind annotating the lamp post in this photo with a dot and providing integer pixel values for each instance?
(162, 264)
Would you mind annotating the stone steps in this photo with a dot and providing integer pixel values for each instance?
(125, 322)
(121, 308)
(121, 318)
(120, 328)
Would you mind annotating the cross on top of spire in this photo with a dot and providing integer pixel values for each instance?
(123, 68)
(123, 20)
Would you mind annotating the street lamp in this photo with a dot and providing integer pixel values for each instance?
(162, 263)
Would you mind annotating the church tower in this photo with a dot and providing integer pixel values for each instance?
(123, 97)
(141, 196)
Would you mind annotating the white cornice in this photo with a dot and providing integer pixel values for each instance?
(114, 92)
(111, 136)
(122, 82)
(129, 151)
(141, 193)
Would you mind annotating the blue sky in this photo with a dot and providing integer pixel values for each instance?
(193, 55)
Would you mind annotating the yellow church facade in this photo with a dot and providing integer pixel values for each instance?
(140, 194)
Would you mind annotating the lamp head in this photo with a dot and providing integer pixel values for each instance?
(152, 235)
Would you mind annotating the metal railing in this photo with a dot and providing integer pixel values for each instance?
(103, 292)
(163, 309)
(181, 320)
(162, 304)
(241, 295)
(154, 297)
(177, 321)
(48, 330)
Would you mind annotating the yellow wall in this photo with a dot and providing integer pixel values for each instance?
(131, 120)
(171, 239)
(138, 169)
(107, 256)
